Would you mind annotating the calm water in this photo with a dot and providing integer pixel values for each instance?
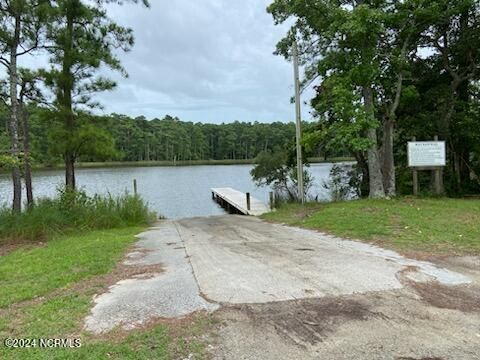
(174, 192)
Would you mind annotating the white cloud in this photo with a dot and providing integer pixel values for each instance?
(209, 60)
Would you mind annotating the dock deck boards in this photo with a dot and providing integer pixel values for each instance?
(238, 200)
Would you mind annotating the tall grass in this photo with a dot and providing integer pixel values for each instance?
(73, 211)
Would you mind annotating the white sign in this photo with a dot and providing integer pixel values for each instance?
(426, 153)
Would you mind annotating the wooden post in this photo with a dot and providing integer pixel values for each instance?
(301, 195)
(437, 177)
(135, 187)
(272, 200)
(415, 176)
(248, 201)
(415, 182)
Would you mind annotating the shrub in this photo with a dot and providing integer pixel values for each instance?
(275, 170)
(344, 183)
(73, 211)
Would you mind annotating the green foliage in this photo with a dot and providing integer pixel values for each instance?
(4, 142)
(275, 170)
(171, 139)
(342, 117)
(356, 52)
(88, 140)
(73, 211)
(84, 39)
(344, 182)
(32, 15)
(270, 169)
(348, 46)
(119, 137)
(7, 161)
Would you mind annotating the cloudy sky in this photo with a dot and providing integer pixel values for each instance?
(208, 61)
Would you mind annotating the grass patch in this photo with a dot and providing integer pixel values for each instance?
(46, 292)
(157, 343)
(63, 261)
(424, 225)
(72, 212)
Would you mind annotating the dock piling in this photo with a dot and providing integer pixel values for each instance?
(272, 200)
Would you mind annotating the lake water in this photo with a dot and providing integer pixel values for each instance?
(175, 192)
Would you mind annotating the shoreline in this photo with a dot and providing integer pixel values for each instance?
(126, 164)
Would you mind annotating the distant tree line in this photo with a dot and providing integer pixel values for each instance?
(172, 139)
(167, 139)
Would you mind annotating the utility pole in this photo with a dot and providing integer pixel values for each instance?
(299, 124)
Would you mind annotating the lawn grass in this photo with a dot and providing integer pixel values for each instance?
(443, 226)
(47, 291)
(63, 261)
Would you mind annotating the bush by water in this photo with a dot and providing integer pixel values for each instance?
(73, 211)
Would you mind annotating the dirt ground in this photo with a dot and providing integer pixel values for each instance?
(422, 321)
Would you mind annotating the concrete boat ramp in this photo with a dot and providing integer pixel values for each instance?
(214, 261)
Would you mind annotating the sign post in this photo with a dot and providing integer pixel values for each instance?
(427, 155)
(438, 172)
(415, 175)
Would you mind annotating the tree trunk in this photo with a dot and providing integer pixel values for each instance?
(377, 190)
(66, 96)
(456, 168)
(15, 148)
(70, 171)
(27, 161)
(388, 159)
(362, 168)
(389, 180)
(459, 146)
(28, 183)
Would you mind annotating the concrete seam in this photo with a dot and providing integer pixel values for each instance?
(202, 295)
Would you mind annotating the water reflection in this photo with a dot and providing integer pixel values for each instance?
(175, 192)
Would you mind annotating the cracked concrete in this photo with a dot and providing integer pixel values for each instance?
(133, 302)
(238, 259)
(284, 292)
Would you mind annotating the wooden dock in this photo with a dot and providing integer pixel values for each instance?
(236, 201)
